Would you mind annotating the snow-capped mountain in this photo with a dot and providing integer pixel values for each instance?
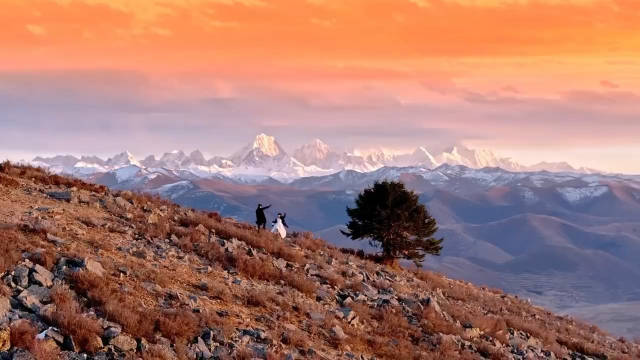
(121, 160)
(264, 158)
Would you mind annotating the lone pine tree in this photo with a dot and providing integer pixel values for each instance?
(393, 219)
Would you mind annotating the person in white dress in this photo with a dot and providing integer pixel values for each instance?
(280, 225)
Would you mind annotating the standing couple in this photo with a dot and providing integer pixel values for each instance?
(279, 224)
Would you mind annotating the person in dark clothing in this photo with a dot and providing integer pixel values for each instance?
(261, 219)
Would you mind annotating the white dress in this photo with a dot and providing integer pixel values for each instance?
(279, 228)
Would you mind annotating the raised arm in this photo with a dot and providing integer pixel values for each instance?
(266, 207)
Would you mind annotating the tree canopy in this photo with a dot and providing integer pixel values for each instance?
(393, 219)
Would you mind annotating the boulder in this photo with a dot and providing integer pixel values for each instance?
(21, 276)
(34, 297)
(347, 314)
(60, 195)
(22, 355)
(122, 203)
(111, 332)
(337, 333)
(124, 343)
(42, 276)
(93, 267)
(202, 350)
(55, 240)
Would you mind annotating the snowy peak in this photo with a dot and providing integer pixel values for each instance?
(316, 153)
(123, 159)
(263, 148)
(267, 145)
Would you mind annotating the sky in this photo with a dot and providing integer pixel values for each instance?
(534, 80)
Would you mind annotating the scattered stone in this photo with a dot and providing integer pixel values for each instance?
(111, 332)
(124, 342)
(60, 195)
(316, 316)
(347, 314)
(93, 267)
(122, 203)
(55, 240)
(42, 276)
(22, 355)
(21, 276)
(202, 285)
(202, 350)
(34, 297)
(69, 344)
(337, 333)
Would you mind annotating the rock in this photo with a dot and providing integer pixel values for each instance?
(5, 338)
(151, 287)
(69, 344)
(152, 219)
(122, 203)
(60, 195)
(22, 355)
(51, 334)
(55, 240)
(431, 302)
(471, 333)
(34, 297)
(316, 316)
(202, 285)
(111, 332)
(202, 229)
(93, 267)
(124, 343)
(347, 314)
(42, 276)
(21, 276)
(338, 333)
(280, 263)
(202, 350)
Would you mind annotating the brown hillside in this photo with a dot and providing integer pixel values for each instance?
(125, 276)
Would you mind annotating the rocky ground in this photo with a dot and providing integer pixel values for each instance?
(92, 274)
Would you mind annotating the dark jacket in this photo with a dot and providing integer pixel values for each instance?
(260, 217)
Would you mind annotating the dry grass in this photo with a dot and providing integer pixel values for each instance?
(23, 336)
(69, 317)
(308, 241)
(9, 240)
(300, 283)
(431, 279)
(9, 182)
(433, 323)
(44, 177)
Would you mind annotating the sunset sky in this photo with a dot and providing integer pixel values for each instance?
(531, 79)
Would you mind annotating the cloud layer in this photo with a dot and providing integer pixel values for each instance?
(97, 76)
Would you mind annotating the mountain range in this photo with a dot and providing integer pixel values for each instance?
(265, 158)
(568, 240)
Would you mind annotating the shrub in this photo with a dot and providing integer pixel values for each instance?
(9, 240)
(69, 318)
